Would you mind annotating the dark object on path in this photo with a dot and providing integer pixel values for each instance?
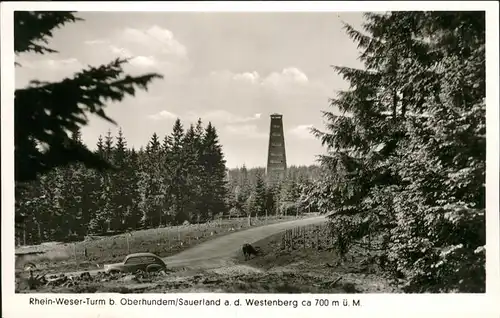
(85, 276)
(249, 250)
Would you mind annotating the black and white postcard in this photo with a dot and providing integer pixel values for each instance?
(247, 157)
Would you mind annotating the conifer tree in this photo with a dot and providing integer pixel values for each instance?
(100, 146)
(120, 150)
(132, 213)
(272, 198)
(190, 174)
(108, 146)
(214, 167)
(259, 196)
(155, 189)
(178, 172)
(120, 183)
(242, 192)
(406, 160)
(106, 207)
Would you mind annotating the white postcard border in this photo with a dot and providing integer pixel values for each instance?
(17, 305)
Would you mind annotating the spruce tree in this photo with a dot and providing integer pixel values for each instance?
(260, 196)
(192, 175)
(178, 171)
(97, 217)
(243, 190)
(156, 190)
(132, 213)
(72, 192)
(106, 207)
(214, 167)
(143, 187)
(119, 193)
(120, 150)
(100, 146)
(108, 146)
(406, 157)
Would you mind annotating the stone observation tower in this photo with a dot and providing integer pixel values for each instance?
(276, 156)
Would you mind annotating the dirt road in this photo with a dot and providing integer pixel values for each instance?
(212, 253)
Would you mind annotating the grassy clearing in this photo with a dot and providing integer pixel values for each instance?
(92, 254)
(308, 250)
(298, 261)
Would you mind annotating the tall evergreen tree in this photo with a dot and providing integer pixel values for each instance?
(259, 193)
(120, 184)
(132, 215)
(192, 174)
(407, 160)
(272, 199)
(214, 167)
(100, 146)
(177, 172)
(106, 208)
(156, 189)
(108, 145)
(120, 150)
(242, 192)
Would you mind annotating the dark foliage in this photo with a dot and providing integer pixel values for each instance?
(151, 187)
(406, 158)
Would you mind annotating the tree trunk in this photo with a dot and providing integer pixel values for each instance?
(40, 240)
(394, 105)
(404, 104)
(394, 89)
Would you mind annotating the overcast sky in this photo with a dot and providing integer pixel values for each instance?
(233, 69)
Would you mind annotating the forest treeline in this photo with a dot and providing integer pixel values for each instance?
(178, 178)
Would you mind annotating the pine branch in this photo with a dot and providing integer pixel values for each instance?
(358, 77)
(33, 27)
(363, 40)
(52, 109)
